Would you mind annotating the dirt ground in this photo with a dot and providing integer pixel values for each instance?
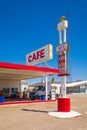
(35, 116)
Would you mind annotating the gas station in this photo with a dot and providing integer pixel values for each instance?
(12, 74)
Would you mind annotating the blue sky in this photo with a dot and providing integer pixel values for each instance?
(26, 25)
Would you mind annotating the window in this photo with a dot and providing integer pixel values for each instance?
(43, 88)
(6, 90)
(38, 88)
(14, 90)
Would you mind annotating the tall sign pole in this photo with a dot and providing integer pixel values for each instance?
(62, 49)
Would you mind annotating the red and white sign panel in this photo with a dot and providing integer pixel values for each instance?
(40, 55)
(63, 47)
(62, 58)
(62, 71)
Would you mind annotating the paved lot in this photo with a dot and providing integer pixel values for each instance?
(35, 116)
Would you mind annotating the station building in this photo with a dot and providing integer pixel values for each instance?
(74, 87)
(77, 87)
(12, 76)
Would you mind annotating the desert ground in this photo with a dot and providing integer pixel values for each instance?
(35, 116)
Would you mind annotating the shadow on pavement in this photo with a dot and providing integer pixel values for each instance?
(35, 110)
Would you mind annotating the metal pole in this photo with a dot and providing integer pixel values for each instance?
(63, 78)
(46, 83)
(46, 88)
(65, 35)
(60, 37)
(64, 91)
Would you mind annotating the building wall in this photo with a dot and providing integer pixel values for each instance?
(24, 89)
(24, 85)
(77, 89)
(9, 85)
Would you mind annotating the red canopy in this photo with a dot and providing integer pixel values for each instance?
(18, 71)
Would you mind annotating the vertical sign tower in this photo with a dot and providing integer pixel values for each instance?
(62, 49)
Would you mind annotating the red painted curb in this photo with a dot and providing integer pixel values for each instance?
(26, 102)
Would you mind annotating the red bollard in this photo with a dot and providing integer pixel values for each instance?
(64, 104)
